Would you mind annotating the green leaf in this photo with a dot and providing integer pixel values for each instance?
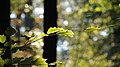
(43, 35)
(54, 30)
(43, 65)
(2, 50)
(32, 39)
(98, 9)
(2, 38)
(92, 28)
(9, 43)
(41, 61)
(60, 64)
(60, 31)
(7, 61)
(10, 31)
(26, 62)
(14, 49)
(1, 62)
(66, 33)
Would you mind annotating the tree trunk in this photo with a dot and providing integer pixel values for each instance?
(50, 20)
(4, 23)
(115, 50)
(28, 19)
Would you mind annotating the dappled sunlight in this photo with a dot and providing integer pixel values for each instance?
(92, 22)
(68, 33)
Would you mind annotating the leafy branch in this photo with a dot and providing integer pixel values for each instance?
(51, 32)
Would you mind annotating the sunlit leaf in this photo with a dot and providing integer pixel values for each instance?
(32, 39)
(41, 61)
(42, 65)
(98, 9)
(43, 35)
(60, 64)
(92, 28)
(54, 30)
(66, 33)
(2, 38)
(60, 31)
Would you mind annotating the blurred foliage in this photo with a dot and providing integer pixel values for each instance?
(1, 62)
(2, 38)
(93, 23)
(19, 3)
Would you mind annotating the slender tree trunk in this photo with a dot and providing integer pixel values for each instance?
(116, 34)
(18, 25)
(28, 19)
(4, 23)
(50, 20)
(116, 48)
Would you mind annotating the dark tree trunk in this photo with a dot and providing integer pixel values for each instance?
(116, 34)
(4, 23)
(28, 19)
(116, 48)
(50, 20)
(18, 25)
